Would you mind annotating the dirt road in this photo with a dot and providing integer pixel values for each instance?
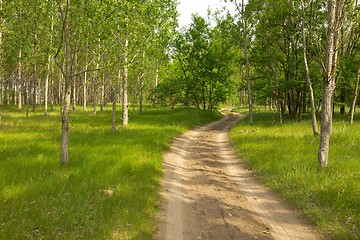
(209, 194)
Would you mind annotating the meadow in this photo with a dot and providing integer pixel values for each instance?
(284, 158)
(108, 190)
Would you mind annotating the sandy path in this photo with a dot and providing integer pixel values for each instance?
(209, 194)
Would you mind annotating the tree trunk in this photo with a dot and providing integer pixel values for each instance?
(85, 85)
(19, 83)
(356, 93)
(74, 94)
(68, 77)
(141, 95)
(27, 90)
(332, 39)
(247, 67)
(308, 80)
(95, 78)
(35, 71)
(94, 95)
(46, 86)
(102, 94)
(52, 94)
(114, 92)
(60, 89)
(141, 84)
(125, 104)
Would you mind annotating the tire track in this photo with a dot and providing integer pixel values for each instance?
(209, 194)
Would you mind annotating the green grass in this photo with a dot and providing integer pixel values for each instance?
(39, 199)
(285, 159)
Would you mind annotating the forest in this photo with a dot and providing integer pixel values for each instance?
(67, 62)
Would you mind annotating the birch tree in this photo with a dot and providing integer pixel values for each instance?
(355, 98)
(335, 12)
(64, 13)
(307, 72)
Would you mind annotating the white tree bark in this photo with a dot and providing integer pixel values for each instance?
(85, 85)
(308, 80)
(356, 93)
(64, 157)
(334, 22)
(35, 81)
(125, 104)
(247, 67)
(19, 83)
(46, 85)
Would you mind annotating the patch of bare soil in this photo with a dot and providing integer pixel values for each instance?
(209, 194)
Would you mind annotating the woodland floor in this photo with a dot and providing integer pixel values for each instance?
(209, 193)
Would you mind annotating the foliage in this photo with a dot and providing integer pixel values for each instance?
(94, 26)
(276, 53)
(203, 63)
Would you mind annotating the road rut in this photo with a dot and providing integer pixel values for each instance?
(209, 193)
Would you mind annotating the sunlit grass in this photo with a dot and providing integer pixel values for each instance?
(39, 199)
(285, 158)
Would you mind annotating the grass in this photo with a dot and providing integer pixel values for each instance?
(39, 199)
(285, 158)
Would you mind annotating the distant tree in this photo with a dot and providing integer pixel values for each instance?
(240, 7)
(203, 64)
(356, 93)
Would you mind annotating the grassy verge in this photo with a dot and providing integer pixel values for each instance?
(285, 158)
(39, 199)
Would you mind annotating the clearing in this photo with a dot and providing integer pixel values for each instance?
(210, 194)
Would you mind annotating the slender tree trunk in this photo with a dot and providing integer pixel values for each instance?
(334, 22)
(141, 95)
(94, 94)
(67, 93)
(85, 85)
(113, 115)
(35, 71)
(74, 93)
(19, 83)
(52, 94)
(60, 89)
(27, 90)
(73, 84)
(356, 93)
(247, 67)
(308, 80)
(102, 94)
(114, 92)
(156, 84)
(46, 87)
(141, 84)
(125, 104)
(96, 80)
